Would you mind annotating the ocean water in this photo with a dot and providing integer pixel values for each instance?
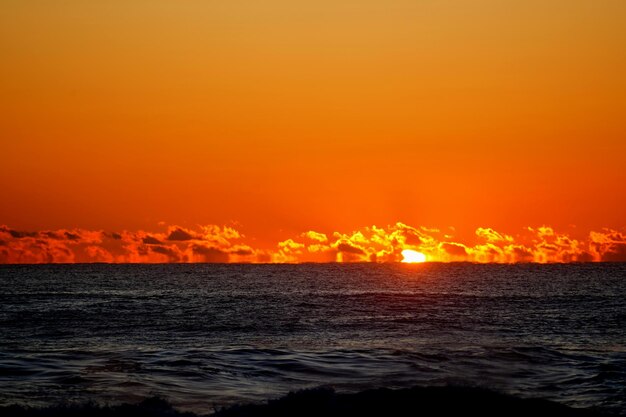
(213, 335)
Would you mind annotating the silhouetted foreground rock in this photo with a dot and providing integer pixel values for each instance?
(433, 401)
(322, 402)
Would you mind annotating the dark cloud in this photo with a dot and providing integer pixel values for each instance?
(166, 251)
(454, 249)
(18, 235)
(616, 252)
(242, 252)
(179, 234)
(72, 236)
(522, 254)
(584, 257)
(116, 236)
(347, 248)
(150, 240)
(210, 254)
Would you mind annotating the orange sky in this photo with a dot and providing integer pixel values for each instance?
(278, 117)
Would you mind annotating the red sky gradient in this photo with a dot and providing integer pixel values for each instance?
(278, 117)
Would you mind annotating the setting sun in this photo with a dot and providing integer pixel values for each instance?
(411, 257)
(246, 176)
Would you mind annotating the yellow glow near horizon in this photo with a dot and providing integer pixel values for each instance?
(411, 257)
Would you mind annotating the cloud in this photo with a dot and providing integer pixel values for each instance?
(608, 245)
(348, 248)
(290, 245)
(384, 244)
(213, 243)
(454, 249)
(491, 235)
(172, 254)
(98, 254)
(58, 246)
(209, 254)
(180, 234)
(288, 251)
(150, 240)
(319, 237)
(519, 253)
(177, 244)
(242, 251)
(369, 244)
(72, 236)
(16, 234)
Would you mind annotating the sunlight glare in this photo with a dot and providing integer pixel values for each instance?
(410, 256)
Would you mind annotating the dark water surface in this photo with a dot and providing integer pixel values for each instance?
(204, 335)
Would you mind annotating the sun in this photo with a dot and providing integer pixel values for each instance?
(411, 257)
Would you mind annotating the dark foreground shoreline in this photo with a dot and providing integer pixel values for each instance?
(324, 402)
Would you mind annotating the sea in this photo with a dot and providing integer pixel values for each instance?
(205, 336)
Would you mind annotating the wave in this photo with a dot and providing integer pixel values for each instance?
(324, 401)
